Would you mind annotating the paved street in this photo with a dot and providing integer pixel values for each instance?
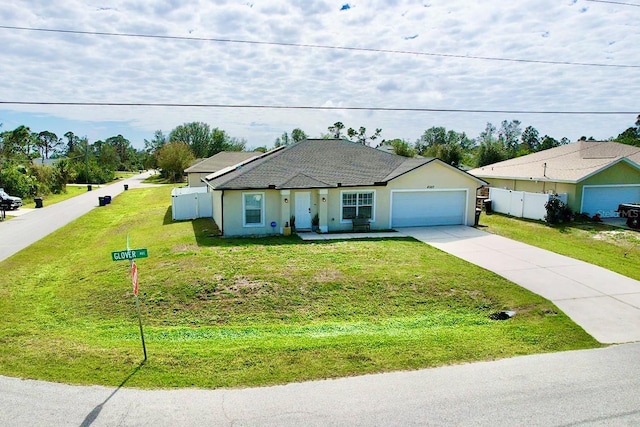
(33, 224)
(580, 388)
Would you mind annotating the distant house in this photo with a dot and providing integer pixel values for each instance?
(597, 176)
(215, 163)
(339, 180)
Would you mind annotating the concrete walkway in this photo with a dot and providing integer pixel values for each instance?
(604, 303)
(346, 236)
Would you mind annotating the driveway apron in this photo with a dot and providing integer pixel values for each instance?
(604, 303)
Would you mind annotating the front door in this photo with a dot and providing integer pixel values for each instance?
(303, 210)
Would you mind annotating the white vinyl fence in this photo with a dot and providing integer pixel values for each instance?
(191, 203)
(520, 203)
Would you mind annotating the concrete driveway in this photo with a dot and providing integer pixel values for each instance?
(604, 303)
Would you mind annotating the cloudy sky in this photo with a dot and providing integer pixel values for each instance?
(408, 55)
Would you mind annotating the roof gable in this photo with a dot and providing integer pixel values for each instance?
(568, 163)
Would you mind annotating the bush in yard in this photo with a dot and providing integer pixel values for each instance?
(16, 181)
(557, 211)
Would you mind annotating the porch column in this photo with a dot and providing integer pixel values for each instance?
(285, 208)
(323, 210)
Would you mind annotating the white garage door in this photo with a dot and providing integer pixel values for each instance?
(423, 208)
(605, 199)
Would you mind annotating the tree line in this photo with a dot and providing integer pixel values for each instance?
(40, 163)
(25, 170)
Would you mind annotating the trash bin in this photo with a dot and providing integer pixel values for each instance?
(100, 201)
(107, 200)
(126, 187)
(38, 201)
(88, 187)
(477, 221)
(487, 206)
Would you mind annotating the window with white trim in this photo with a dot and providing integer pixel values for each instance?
(357, 205)
(253, 209)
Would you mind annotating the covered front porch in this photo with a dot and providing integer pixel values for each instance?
(305, 209)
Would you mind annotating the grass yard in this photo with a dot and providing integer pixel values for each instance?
(247, 312)
(613, 248)
(50, 199)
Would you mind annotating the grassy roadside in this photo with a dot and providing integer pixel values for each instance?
(610, 247)
(73, 190)
(246, 312)
(50, 199)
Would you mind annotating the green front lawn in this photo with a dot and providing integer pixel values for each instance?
(245, 312)
(610, 247)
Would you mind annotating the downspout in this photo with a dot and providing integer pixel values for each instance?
(221, 204)
(222, 216)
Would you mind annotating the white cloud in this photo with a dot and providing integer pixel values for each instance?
(44, 66)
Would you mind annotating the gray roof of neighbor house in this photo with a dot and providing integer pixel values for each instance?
(221, 161)
(570, 163)
(317, 163)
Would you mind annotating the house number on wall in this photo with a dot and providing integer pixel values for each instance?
(431, 186)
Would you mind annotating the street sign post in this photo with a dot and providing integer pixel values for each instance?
(134, 278)
(131, 255)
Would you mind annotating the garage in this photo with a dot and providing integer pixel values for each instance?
(604, 199)
(426, 208)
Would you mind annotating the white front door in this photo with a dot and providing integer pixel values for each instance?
(303, 210)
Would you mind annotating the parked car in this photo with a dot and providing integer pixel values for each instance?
(631, 211)
(8, 202)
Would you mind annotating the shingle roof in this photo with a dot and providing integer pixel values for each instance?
(567, 163)
(317, 163)
(220, 161)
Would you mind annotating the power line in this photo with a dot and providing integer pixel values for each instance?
(614, 2)
(318, 46)
(307, 107)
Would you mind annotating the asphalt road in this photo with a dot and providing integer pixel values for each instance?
(22, 231)
(580, 388)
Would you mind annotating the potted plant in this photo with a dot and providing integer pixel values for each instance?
(292, 221)
(315, 223)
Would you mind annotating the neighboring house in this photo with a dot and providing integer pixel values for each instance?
(338, 180)
(47, 162)
(214, 164)
(597, 176)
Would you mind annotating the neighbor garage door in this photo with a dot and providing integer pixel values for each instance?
(605, 199)
(423, 208)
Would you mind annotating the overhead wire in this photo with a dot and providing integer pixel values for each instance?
(614, 2)
(318, 46)
(316, 107)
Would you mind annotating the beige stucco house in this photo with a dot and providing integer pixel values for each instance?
(215, 163)
(338, 180)
(596, 175)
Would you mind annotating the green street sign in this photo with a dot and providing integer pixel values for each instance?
(130, 254)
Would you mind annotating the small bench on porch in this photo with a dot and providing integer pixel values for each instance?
(361, 224)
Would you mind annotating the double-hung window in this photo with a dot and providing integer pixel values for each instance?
(357, 205)
(253, 209)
